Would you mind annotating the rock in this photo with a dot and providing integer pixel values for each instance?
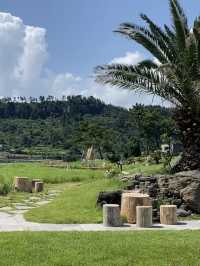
(191, 174)
(183, 213)
(110, 197)
(191, 196)
(181, 189)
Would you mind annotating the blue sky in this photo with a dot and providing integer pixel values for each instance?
(79, 32)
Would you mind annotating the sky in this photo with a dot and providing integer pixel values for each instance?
(51, 47)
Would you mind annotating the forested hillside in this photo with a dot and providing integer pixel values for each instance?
(65, 128)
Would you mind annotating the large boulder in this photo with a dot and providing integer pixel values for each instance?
(109, 197)
(188, 185)
(181, 189)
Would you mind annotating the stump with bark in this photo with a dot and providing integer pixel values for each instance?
(39, 186)
(168, 214)
(111, 215)
(34, 181)
(23, 184)
(129, 203)
(144, 216)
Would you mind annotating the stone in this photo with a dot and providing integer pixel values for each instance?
(6, 209)
(110, 197)
(183, 213)
(180, 189)
(43, 202)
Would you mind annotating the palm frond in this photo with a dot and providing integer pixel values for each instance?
(144, 37)
(196, 32)
(179, 25)
(139, 79)
(148, 64)
(183, 16)
(163, 39)
(177, 77)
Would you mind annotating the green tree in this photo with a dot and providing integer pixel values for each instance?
(174, 75)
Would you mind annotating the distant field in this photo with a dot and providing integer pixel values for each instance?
(100, 249)
(48, 174)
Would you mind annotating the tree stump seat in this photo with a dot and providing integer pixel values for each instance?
(144, 216)
(130, 200)
(111, 215)
(34, 181)
(23, 184)
(39, 186)
(168, 214)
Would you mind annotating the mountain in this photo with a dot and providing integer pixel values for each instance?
(66, 128)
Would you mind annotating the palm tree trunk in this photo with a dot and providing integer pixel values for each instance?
(188, 121)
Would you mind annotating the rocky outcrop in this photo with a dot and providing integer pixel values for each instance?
(181, 189)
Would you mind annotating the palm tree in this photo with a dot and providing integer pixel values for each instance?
(174, 76)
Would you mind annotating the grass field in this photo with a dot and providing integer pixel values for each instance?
(46, 173)
(77, 203)
(101, 249)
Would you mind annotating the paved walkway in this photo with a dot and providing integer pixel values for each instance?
(16, 222)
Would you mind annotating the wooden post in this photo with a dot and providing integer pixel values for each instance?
(168, 214)
(34, 181)
(144, 216)
(23, 184)
(129, 203)
(111, 215)
(39, 186)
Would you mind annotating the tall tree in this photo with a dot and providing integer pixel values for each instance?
(174, 75)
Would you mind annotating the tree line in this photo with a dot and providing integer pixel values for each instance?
(66, 128)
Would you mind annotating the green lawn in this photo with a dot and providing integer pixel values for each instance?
(145, 169)
(100, 249)
(75, 205)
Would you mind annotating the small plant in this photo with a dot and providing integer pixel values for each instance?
(123, 219)
(156, 156)
(5, 188)
(112, 173)
(167, 158)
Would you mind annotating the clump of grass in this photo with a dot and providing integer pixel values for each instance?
(6, 186)
(75, 179)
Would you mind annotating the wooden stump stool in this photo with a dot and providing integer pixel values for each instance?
(144, 216)
(34, 181)
(111, 215)
(39, 186)
(168, 214)
(23, 184)
(129, 203)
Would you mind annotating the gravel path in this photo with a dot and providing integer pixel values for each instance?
(16, 222)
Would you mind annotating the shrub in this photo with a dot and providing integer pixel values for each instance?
(5, 188)
(156, 156)
(112, 173)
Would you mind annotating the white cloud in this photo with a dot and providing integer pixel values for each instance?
(128, 59)
(23, 60)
